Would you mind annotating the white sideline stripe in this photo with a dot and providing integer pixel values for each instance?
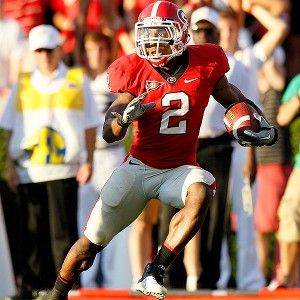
(237, 124)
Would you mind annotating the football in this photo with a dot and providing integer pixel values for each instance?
(240, 116)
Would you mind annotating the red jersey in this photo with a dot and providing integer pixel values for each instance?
(166, 136)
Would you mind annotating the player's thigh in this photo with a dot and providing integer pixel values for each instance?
(121, 200)
(174, 190)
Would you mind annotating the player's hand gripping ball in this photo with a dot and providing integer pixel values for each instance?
(238, 117)
(248, 126)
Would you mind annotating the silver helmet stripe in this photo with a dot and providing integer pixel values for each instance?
(155, 8)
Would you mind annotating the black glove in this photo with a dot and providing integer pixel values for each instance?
(267, 135)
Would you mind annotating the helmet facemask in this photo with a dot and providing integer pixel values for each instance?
(158, 41)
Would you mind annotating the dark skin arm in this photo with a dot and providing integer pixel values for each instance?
(113, 132)
(226, 93)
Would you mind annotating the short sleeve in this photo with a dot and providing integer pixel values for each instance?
(120, 76)
(292, 89)
(221, 63)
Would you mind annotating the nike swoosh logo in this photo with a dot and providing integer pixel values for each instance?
(132, 163)
(266, 137)
(189, 80)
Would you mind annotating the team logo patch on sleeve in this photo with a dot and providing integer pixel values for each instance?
(152, 85)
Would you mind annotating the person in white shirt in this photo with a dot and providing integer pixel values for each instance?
(98, 51)
(11, 39)
(215, 150)
(249, 276)
(50, 119)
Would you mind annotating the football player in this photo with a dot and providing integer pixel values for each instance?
(163, 90)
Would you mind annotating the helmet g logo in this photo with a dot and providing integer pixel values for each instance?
(182, 16)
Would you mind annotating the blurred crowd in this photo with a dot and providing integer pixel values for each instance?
(251, 237)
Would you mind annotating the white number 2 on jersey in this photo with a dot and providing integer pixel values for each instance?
(166, 101)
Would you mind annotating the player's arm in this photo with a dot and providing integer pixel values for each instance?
(229, 95)
(123, 111)
(112, 131)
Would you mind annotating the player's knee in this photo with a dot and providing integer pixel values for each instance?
(86, 252)
(199, 191)
(199, 197)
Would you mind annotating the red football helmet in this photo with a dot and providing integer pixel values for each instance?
(161, 32)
